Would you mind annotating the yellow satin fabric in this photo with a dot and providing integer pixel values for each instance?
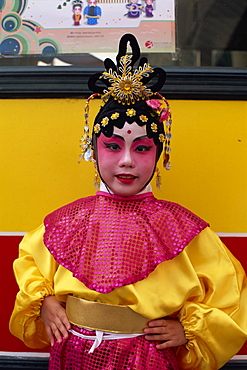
(205, 285)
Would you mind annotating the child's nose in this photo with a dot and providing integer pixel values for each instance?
(126, 160)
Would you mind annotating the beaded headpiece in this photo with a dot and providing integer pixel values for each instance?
(127, 97)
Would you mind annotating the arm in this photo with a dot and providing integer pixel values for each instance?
(34, 271)
(215, 324)
(213, 315)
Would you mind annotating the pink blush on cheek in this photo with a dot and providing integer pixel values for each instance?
(103, 153)
(145, 159)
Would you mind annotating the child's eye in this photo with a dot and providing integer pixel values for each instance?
(142, 148)
(112, 146)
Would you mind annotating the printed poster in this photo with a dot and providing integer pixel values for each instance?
(84, 26)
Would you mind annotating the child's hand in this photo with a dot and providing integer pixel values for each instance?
(54, 317)
(170, 332)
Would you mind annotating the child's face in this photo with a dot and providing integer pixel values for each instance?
(127, 159)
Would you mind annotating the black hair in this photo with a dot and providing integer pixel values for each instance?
(115, 111)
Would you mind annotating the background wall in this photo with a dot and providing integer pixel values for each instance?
(39, 147)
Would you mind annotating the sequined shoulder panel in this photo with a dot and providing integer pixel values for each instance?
(107, 243)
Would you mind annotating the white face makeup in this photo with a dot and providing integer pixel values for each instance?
(127, 159)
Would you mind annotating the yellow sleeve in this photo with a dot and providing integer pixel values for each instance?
(215, 322)
(34, 271)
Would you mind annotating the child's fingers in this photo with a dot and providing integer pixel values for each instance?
(166, 344)
(65, 321)
(156, 327)
(61, 328)
(57, 331)
(55, 319)
(50, 335)
(57, 334)
(169, 332)
(157, 323)
(159, 337)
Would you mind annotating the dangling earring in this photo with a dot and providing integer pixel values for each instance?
(86, 140)
(158, 179)
(166, 162)
(96, 177)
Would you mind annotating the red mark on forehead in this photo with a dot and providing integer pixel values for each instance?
(129, 132)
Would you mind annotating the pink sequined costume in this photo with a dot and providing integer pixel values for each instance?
(107, 241)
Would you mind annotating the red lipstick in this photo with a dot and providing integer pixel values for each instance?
(125, 178)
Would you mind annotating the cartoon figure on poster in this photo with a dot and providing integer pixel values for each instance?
(134, 9)
(92, 12)
(77, 9)
(149, 8)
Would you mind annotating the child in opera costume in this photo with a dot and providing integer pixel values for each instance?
(122, 280)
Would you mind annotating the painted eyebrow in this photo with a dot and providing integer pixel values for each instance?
(137, 138)
(140, 138)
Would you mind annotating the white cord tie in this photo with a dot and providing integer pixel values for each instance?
(101, 335)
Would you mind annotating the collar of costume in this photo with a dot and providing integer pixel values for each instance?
(104, 188)
(108, 241)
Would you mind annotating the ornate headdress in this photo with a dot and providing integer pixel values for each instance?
(128, 97)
